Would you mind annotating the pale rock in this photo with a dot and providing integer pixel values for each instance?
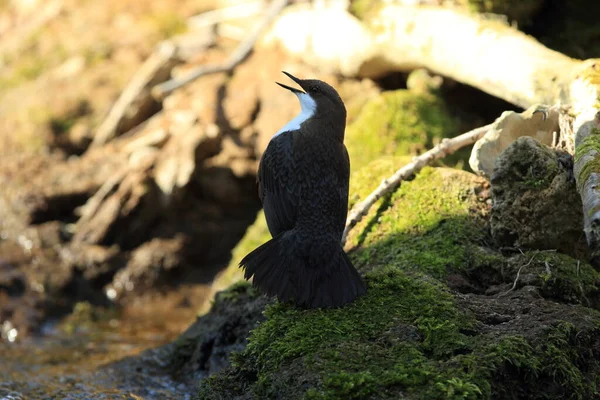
(509, 127)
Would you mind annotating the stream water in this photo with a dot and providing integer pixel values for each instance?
(100, 354)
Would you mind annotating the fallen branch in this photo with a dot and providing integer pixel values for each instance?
(470, 48)
(445, 148)
(239, 55)
(159, 60)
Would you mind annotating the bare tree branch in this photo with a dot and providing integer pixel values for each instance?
(159, 60)
(239, 55)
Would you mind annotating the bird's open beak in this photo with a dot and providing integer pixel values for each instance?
(292, 77)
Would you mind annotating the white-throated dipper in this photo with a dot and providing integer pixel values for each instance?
(303, 184)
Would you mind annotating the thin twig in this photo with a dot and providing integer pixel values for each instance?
(239, 55)
(514, 286)
(445, 148)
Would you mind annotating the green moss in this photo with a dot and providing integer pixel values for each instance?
(368, 178)
(363, 8)
(237, 291)
(337, 344)
(398, 123)
(61, 125)
(556, 357)
(591, 166)
(590, 144)
(406, 336)
(427, 225)
(567, 279)
(589, 147)
(30, 62)
(558, 276)
(539, 179)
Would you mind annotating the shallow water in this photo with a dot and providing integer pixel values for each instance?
(100, 354)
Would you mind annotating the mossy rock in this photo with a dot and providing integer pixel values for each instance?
(531, 184)
(444, 316)
(430, 224)
(390, 130)
(398, 123)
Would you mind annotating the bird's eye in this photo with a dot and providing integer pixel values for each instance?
(314, 89)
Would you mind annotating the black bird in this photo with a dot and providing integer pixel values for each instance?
(303, 184)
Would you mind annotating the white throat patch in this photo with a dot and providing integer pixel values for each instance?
(308, 109)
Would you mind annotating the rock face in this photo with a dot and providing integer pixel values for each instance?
(535, 201)
(205, 348)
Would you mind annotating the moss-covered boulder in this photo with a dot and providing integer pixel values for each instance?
(536, 204)
(446, 316)
(400, 124)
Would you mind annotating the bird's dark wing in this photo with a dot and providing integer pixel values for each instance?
(343, 175)
(329, 175)
(276, 184)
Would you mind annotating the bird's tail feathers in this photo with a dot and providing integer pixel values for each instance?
(319, 276)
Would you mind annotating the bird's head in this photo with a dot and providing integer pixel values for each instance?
(318, 99)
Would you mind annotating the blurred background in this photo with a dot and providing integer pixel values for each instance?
(121, 208)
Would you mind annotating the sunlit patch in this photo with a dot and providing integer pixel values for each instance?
(25, 243)
(111, 293)
(9, 332)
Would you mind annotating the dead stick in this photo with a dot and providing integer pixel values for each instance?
(445, 148)
(108, 129)
(243, 50)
